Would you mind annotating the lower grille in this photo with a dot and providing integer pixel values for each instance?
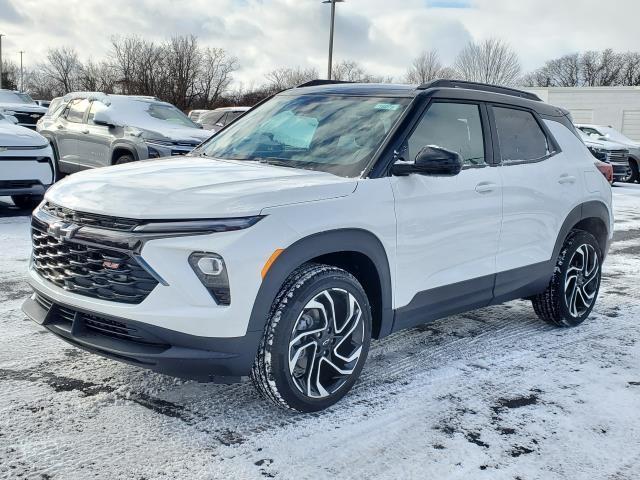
(64, 317)
(90, 271)
(618, 156)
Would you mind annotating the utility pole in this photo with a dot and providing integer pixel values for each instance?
(333, 19)
(21, 73)
(1, 35)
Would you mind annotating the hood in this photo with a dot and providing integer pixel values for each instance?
(605, 144)
(23, 107)
(193, 187)
(16, 136)
(175, 133)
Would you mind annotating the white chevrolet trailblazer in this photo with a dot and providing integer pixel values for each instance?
(26, 164)
(326, 216)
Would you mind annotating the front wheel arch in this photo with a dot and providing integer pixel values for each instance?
(337, 248)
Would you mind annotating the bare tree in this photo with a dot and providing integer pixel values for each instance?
(283, 78)
(425, 67)
(97, 77)
(214, 77)
(491, 61)
(61, 68)
(352, 71)
(592, 69)
(10, 75)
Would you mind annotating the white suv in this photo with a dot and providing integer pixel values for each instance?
(329, 215)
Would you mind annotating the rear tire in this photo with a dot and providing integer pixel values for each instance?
(316, 339)
(26, 202)
(573, 289)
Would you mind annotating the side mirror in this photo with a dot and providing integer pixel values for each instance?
(220, 124)
(431, 160)
(102, 118)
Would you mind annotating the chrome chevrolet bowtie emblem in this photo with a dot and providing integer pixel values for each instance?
(62, 231)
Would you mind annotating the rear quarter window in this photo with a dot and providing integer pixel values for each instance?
(520, 136)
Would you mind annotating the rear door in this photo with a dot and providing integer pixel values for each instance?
(540, 188)
(448, 228)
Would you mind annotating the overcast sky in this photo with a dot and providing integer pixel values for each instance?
(384, 35)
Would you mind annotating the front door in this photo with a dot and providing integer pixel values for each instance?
(448, 228)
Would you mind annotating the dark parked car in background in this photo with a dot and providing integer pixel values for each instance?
(21, 106)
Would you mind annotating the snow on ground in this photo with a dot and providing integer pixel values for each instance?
(491, 394)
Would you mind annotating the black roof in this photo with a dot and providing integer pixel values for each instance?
(453, 89)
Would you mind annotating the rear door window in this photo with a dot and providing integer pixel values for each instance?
(521, 137)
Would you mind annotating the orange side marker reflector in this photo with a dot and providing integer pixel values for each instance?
(272, 259)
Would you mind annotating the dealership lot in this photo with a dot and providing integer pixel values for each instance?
(493, 393)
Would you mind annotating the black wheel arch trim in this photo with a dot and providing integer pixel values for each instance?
(324, 243)
(592, 209)
(119, 147)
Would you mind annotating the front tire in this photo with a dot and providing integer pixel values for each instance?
(122, 159)
(573, 289)
(316, 339)
(634, 175)
(26, 202)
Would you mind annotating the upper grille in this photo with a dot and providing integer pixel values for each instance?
(618, 156)
(28, 119)
(90, 219)
(91, 271)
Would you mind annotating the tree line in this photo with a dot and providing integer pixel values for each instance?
(182, 71)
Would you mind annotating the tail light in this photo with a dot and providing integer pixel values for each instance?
(606, 169)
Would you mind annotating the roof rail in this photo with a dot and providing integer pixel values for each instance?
(314, 83)
(485, 87)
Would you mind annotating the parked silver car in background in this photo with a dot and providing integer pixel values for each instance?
(609, 152)
(603, 132)
(95, 130)
(196, 114)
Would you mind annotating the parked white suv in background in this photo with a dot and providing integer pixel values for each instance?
(610, 134)
(26, 164)
(327, 216)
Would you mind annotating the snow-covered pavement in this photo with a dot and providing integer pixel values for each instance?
(492, 394)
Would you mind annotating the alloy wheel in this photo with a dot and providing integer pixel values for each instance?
(581, 280)
(326, 343)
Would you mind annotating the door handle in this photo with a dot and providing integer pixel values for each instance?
(565, 178)
(485, 187)
(59, 127)
(85, 131)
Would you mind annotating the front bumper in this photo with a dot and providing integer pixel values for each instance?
(222, 360)
(620, 170)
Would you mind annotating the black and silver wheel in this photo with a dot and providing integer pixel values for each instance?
(122, 159)
(316, 340)
(26, 202)
(573, 289)
(632, 175)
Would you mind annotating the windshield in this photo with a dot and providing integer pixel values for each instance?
(15, 97)
(169, 113)
(615, 135)
(335, 134)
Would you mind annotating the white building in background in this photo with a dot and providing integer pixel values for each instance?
(618, 107)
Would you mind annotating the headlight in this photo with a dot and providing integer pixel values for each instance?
(599, 153)
(212, 272)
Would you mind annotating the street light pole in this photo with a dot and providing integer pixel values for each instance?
(1, 35)
(21, 73)
(333, 18)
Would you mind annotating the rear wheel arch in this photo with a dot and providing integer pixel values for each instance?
(357, 251)
(593, 217)
(119, 151)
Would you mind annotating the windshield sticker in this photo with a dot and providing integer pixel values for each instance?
(387, 106)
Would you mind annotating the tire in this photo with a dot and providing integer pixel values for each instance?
(26, 202)
(301, 344)
(573, 289)
(126, 158)
(635, 174)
